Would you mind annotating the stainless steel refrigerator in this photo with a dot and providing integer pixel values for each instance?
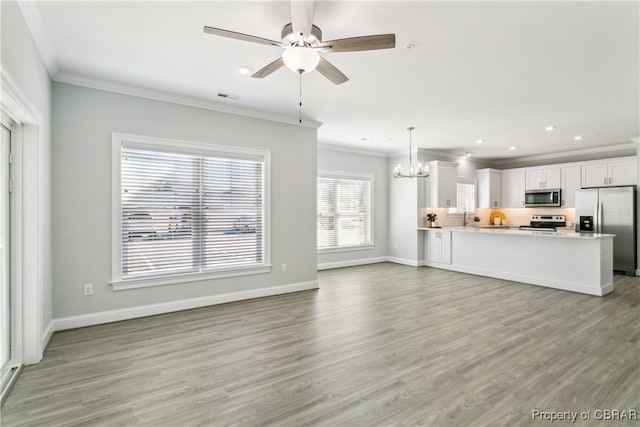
(611, 210)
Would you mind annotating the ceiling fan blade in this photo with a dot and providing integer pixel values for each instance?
(353, 44)
(265, 71)
(328, 70)
(240, 36)
(302, 16)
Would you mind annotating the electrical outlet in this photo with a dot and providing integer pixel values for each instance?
(284, 267)
(88, 289)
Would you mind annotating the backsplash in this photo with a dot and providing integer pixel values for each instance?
(521, 216)
(516, 216)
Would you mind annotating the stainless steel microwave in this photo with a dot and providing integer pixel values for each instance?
(542, 198)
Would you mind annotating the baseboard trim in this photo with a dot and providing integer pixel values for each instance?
(72, 322)
(404, 261)
(46, 336)
(351, 263)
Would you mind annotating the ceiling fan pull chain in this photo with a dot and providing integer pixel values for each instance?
(300, 96)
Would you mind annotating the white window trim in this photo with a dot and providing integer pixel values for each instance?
(117, 139)
(346, 249)
(325, 173)
(463, 180)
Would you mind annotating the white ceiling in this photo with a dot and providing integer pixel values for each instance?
(500, 71)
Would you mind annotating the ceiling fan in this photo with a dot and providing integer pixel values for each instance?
(302, 42)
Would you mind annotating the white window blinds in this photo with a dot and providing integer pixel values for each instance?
(184, 212)
(344, 212)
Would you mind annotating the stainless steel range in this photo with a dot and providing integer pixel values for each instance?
(545, 223)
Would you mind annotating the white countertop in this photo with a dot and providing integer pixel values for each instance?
(517, 232)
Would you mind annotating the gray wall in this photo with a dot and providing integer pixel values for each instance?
(337, 160)
(22, 62)
(83, 121)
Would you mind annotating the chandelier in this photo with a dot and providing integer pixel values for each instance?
(419, 170)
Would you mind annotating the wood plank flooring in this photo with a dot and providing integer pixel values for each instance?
(377, 345)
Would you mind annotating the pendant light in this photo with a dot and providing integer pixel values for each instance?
(419, 170)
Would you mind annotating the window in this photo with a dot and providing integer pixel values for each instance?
(185, 208)
(466, 196)
(344, 211)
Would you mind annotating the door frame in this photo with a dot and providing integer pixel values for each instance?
(28, 222)
(7, 378)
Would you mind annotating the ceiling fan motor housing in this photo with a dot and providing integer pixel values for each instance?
(289, 38)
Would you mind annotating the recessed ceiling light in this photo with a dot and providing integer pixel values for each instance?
(578, 137)
(479, 141)
(512, 148)
(550, 128)
(244, 70)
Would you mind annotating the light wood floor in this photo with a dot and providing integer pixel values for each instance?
(377, 345)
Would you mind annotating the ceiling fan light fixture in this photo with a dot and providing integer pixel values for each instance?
(297, 58)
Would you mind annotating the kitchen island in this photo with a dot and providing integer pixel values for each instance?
(579, 262)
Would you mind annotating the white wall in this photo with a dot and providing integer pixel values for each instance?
(340, 160)
(24, 70)
(83, 121)
(403, 211)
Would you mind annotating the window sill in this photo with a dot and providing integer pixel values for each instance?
(145, 282)
(346, 249)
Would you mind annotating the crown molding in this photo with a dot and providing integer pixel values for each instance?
(613, 150)
(347, 149)
(174, 98)
(36, 28)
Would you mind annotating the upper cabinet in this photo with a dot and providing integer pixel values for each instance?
(442, 184)
(489, 183)
(542, 178)
(513, 188)
(610, 173)
(506, 188)
(570, 183)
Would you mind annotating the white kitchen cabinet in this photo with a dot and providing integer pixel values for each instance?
(623, 173)
(610, 173)
(439, 246)
(542, 178)
(489, 183)
(570, 183)
(442, 184)
(513, 184)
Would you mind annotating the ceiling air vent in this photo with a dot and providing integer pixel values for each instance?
(227, 96)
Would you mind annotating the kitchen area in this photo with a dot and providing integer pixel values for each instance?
(567, 226)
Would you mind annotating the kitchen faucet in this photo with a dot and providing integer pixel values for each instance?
(464, 218)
